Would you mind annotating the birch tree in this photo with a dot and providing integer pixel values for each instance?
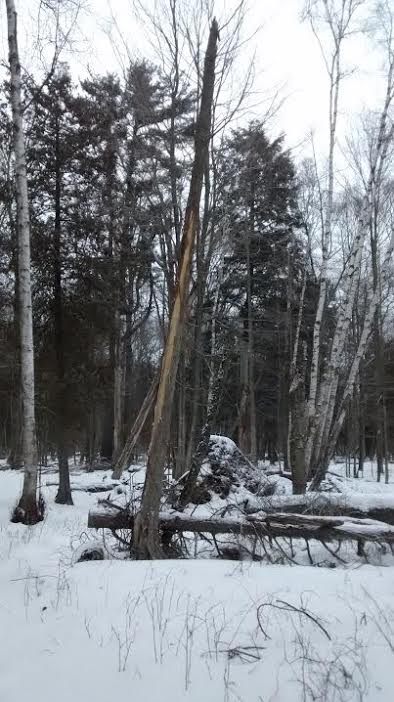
(29, 508)
(332, 405)
(332, 380)
(337, 17)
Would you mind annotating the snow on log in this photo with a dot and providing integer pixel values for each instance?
(302, 526)
(373, 506)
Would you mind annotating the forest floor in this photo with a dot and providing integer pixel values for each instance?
(189, 630)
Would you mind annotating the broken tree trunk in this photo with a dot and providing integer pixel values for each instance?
(139, 423)
(146, 533)
(275, 525)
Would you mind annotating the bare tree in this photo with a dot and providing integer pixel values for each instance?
(332, 406)
(29, 509)
(337, 16)
(146, 532)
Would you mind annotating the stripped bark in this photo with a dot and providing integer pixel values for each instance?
(146, 534)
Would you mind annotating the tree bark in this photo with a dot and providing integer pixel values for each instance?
(180, 454)
(298, 415)
(15, 458)
(251, 378)
(28, 509)
(63, 496)
(146, 534)
(202, 269)
(298, 435)
(215, 378)
(243, 424)
(335, 77)
(119, 377)
(378, 416)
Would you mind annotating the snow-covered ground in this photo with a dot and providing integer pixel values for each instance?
(168, 631)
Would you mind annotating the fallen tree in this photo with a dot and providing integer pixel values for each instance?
(92, 487)
(378, 507)
(275, 525)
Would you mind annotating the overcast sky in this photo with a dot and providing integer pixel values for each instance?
(287, 57)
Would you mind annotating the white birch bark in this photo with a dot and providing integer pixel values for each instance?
(365, 335)
(328, 395)
(323, 392)
(27, 510)
(328, 392)
(334, 71)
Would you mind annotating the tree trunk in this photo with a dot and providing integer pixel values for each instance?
(275, 525)
(361, 430)
(215, 379)
(196, 394)
(299, 425)
(313, 409)
(243, 424)
(64, 492)
(298, 416)
(285, 372)
(251, 379)
(203, 257)
(15, 458)
(378, 416)
(119, 377)
(28, 509)
(180, 454)
(318, 504)
(146, 534)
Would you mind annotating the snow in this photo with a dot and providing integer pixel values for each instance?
(181, 630)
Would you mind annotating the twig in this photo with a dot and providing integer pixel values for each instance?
(287, 607)
(333, 553)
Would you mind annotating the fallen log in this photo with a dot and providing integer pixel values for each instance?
(92, 487)
(372, 506)
(298, 526)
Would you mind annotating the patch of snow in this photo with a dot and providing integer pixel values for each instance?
(182, 630)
